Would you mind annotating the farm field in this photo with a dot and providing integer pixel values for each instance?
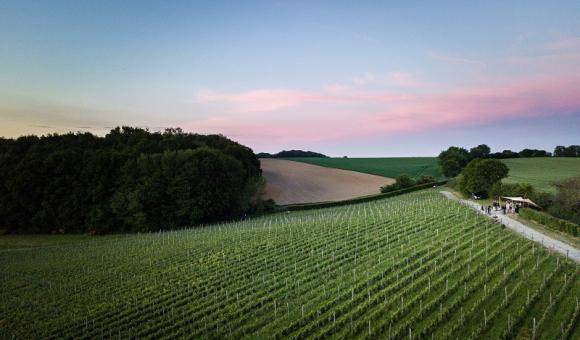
(542, 172)
(388, 167)
(289, 182)
(413, 266)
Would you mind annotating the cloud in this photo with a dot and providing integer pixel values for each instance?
(396, 79)
(368, 78)
(262, 100)
(551, 54)
(455, 59)
(563, 44)
(295, 116)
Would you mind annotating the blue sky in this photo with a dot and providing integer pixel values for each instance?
(361, 79)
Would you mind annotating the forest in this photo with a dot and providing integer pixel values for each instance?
(129, 180)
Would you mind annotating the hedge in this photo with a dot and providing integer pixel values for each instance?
(308, 206)
(550, 221)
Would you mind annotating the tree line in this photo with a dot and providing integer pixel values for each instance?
(129, 180)
(454, 159)
(291, 153)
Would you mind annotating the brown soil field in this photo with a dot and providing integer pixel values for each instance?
(289, 182)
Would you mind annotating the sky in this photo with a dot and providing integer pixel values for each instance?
(355, 78)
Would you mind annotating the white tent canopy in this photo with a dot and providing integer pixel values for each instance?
(521, 200)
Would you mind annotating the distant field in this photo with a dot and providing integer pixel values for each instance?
(290, 182)
(388, 167)
(542, 172)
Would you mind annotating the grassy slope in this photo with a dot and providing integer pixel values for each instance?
(388, 167)
(542, 172)
(323, 273)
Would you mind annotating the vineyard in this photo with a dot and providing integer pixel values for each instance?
(413, 266)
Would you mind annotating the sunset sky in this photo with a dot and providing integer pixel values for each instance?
(350, 78)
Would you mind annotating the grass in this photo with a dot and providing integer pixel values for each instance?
(542, 172)
(417, 263)
(387, 167)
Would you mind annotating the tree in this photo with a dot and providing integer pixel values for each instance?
(453, 160)
(569, 151)
(533, 153)
(480, 151)
(481, 174)
(129, 180)
(566, 204)
(508, 189)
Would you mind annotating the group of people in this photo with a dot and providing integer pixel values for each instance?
(512, 208)
(508, 208)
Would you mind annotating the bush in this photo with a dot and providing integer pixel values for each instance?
(425, 179)
(402, 182)
(566, 203)
(507, 189)
(550, 221)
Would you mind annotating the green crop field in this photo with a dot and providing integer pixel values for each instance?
(413, 266)
(542, 172)
(388, 167)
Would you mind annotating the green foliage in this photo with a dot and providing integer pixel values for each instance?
(504, 154)
(291, 154)
(425, 179)
(129, 180)
(567, 151)
(402, 182)
(480, 151)
(453, 160)
(418, 261)
(480, 175)
(567, 201)
(534, 153)
(507, 189)
(388, 167)
(550, 221)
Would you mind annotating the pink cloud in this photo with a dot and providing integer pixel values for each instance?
(259, 100)
(293, 116)
(397, 79)
(564, 44)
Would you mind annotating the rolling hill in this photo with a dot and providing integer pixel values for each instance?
(542, 172)
(387, 167)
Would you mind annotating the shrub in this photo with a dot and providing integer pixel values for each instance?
(402, 182)
(550, 221)
(507, 189)
(425, 179)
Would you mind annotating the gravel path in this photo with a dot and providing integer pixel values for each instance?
(524, 230)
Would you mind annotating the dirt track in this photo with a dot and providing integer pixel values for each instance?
(289, 182)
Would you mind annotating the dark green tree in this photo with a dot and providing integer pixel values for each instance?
(480, 175)
(480, 151)
(129, 180)
(453, 160)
